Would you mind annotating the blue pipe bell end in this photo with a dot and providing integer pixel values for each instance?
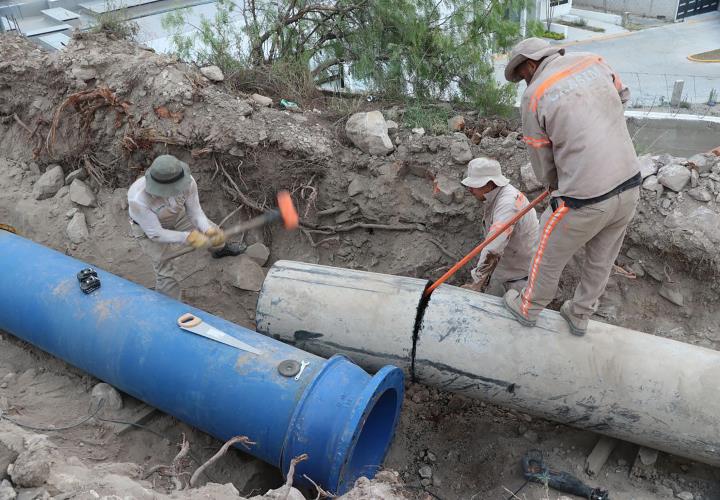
(345, 422)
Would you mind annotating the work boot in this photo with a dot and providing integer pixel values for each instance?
(578, 326)
(230, 249)
(513, 301)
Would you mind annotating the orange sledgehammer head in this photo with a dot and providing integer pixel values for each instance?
(288, 213)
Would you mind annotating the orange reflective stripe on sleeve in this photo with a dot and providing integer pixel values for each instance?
(537, 142)
(561, 75)
(520, 201)
(497, 226)
(618, 82)
(552, 222)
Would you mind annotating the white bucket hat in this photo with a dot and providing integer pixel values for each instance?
(530, 48)
(483, 170)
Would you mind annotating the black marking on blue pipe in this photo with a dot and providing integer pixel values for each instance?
(419, 314)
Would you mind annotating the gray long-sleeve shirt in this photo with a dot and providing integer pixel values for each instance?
(158, 216)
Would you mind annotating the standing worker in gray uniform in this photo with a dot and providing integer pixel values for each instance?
(504, 263)
(579, 146)
(165, 212)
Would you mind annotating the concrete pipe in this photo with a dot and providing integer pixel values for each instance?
(129, 336)
(649, 390)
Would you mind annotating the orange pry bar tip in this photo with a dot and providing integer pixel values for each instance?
(287, 210)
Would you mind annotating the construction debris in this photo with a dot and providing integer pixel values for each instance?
(368, 131)
(49, 183)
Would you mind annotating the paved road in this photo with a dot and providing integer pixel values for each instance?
(651, 60)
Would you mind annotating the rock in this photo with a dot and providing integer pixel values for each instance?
(664, 491)
(356, 187)
(426, 482)
(685, 495)
(81, 194)
(259, 253)
(671, 292)
(33, 494)
(431, 456)
(638, 269)
(77, 230)
(111, 398)
(418, 131)
(49, 183)
(702, 162)
(527, 175)
(674, 176)
(648, 166)
(511, 140)
(652, 184)
(665, 159)
(700, 194)
(71, 213)
(456, 123)
(460, 152)
(84, 73)
(425, 472)
(212, 73)
(694, 178)
(32, 466)
(446, 189)
(244, 273)
(7, 457)
(392, 126)
(262, 100)
(80, 173)
(7, 492)
(368, 132)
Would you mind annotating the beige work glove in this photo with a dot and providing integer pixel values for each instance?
(216, 237)
(196, 239)
(483, 273)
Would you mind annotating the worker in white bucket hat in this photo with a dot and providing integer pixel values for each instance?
(504, 263)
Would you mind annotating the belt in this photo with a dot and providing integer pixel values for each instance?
(632, 182)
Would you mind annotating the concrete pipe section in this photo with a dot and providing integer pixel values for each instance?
(288, 401)
(649, 390)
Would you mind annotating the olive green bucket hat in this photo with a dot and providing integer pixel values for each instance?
(167, 176)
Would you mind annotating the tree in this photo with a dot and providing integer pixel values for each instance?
(419, 49)
(549, 13)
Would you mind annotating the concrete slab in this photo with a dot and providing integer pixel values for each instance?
(60, 14)
(47, 29)
(102, 6)
(55, 41)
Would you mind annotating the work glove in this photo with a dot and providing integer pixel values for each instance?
(196, 239)
(216, 236)
(475, 287)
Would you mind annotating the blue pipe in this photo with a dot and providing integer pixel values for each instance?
(127, 335)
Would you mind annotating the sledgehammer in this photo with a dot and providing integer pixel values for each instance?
(285, 212)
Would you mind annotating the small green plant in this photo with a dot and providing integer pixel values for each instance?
(537, 29)
(581, 24)
(712, 98)
(685, 104)
(115, 22)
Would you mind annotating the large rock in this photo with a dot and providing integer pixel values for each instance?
(7, 492)
(49, 183)
(7, 457)
(77, 230)
(32, 467)
(259, 253)
(368, 132)
(702, 162)
(244, 273)
(460, 152)
(648, 166)
(212, 73)
(110, 397)
(80, 173)
(527, 174)
(447, 189)
(700, 194)
(674, 176)
(652, 184)
(81, 194)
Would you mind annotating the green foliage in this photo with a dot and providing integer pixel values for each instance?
(537, 29)
(712, 98)
(421, 50)
(115, 22)
(434, 119)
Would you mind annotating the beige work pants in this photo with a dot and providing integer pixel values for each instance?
(167, 279)
(601, 229)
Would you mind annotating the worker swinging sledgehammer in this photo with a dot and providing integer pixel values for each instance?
(504, 262)
(165, 212)
(579, 146)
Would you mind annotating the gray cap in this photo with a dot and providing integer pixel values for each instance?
(530, 48)
(483, 170)
(167, 176)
